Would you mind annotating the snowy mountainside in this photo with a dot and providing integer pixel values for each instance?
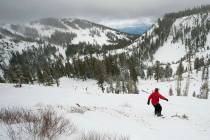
(184, 29)
(57, 32)
(72, 30)
(169, 39)
(75, 36)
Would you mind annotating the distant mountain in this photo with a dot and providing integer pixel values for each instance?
(70, 35)
(64, 31)
(137, 29)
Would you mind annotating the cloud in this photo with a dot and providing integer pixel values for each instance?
(124, 11)
(120, 23)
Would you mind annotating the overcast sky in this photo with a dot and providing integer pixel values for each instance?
(113, 13)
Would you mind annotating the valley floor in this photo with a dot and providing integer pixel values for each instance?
(125, 114)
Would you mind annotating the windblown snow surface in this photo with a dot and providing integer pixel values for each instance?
(122, 114)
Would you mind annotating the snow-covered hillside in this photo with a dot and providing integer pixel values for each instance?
(128, 115)
(191, 30)
(80, 30)
(59, 33)
(174, 51)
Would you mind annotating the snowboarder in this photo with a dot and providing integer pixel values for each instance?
(155, 96)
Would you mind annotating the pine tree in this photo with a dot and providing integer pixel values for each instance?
(194, 94)
(179, 72)
(142, 74)
(189, 55)
(19, 75)
(55, 74)
(100, 73)
(133, 73)
(40, 77)
(131, 86)
(117, 87)
(196, 64)
(205, 88)
(47, 76)
(157, 71)
(2, 80)
(149, 72)
(171, 92)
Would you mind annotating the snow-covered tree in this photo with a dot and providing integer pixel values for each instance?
(157, 71)
(168, 71)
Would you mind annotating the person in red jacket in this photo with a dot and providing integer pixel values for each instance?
(155, 96)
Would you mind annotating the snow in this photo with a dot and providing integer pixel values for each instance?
(173, 51)
(83, 35)
(126, 114)
(8, 27)
(189, 21)
(43, 31)
(14, 47)
(170, 52)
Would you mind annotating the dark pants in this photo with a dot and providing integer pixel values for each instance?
(158, 109)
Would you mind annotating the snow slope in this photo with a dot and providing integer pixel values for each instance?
(174, 50)
(126, 114)
(84, 30)
(170, 52)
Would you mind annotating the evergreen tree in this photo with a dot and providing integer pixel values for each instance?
(131, 86)
(171, 92)
(2, 80)
(180, 69)
(197, 64)
(204, 90)
(179, 73)
(142, 74)
(18, 75)
(168, 71)
(133, 73)
(194, 94)
(117, 87)
(157, 70)
(100, 72)
(149, 72)
(47, 76)
(40, 77)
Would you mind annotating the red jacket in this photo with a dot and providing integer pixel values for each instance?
(155, 97)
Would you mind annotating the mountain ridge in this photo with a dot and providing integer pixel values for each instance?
(86, 31)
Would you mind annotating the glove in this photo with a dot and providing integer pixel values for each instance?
(148, 102)
(166, 100)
